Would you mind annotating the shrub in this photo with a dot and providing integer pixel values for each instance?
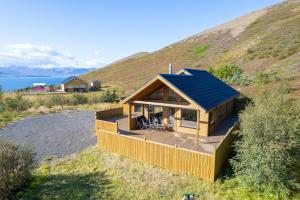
(1, 94)
(262, 78)
(230, 74)
(239, 79)
(109, 97)
(17, 104)
(78, 99)
(269, 138)
(200, 50)
(16, 163)
(225, 72)
(57, 100)
(7, 116)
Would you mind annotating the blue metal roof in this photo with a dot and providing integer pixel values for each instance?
(68, 79)
(202, 87)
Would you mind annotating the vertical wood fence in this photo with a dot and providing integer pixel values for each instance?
(202, 165)
(224, 149)
(109, 113)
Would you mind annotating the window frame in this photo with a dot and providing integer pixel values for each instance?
(194, 122)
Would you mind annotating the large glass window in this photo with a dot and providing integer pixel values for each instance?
(157, 95)
(172, 95)
(188, 118)
(155, 113)
(137, 108)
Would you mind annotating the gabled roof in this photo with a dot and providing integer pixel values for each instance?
(198, 86)
(201, 86)
(71, 78)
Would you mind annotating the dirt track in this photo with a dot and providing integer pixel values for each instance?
(56, 134)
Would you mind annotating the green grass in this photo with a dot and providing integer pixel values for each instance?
(200, 50)
(94, 174)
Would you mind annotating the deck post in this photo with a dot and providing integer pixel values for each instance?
(129, 116)
(197, 127)
(143, 110)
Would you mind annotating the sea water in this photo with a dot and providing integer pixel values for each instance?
(15, 83)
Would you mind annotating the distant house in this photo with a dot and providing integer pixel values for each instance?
(95, 85)
(38, 89)
(39, 84)
(74, 84)
(49, 88)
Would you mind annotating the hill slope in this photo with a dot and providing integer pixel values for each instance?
(265, 40)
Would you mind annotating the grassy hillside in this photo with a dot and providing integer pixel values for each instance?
(267, 40)
(94, 174)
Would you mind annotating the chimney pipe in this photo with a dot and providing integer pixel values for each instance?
(170, 68)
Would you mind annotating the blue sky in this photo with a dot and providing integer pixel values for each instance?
(92, 32)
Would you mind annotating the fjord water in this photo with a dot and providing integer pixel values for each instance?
(15, 83)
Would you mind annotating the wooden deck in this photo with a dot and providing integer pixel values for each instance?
(174, 138)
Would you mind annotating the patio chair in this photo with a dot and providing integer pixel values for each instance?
(139, 123)
(152, 125)
(145, 124)
(161, 127)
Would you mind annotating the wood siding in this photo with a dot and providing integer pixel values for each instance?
(220, 113)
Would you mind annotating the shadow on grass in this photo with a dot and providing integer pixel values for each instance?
(74, 186)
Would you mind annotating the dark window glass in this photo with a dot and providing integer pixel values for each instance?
(172, 95)
(155, 113)
(137, 108)
(157, 95)
(188, 118)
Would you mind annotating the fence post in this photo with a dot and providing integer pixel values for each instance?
(213, 163)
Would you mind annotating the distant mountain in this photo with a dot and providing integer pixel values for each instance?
(14, 71)
(266, 40)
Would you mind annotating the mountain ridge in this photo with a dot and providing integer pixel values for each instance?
(26, 71)
(266, 40)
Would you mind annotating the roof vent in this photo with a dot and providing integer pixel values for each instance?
(170, 68)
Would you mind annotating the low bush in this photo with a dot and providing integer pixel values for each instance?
(231, 74)
(225, 72)
(16, 163)
(7, 116)
(17, 104)
(109, 96)
(1, 94)
(261, 78)
(239, 79)
(78, 99)
(57, 100)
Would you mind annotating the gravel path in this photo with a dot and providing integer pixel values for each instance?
(56, 134)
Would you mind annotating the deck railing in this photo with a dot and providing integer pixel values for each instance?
(203, 165)
(224, 148)
(114, 112)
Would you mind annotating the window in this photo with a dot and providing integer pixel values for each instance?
(137, 108)
(188, 118)
(157, 95)
(172, 95)
(155, 112)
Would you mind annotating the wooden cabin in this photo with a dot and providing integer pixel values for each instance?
(74, 84)
(95, 85)
(191, 101)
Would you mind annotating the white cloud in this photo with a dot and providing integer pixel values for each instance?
(42, 56)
